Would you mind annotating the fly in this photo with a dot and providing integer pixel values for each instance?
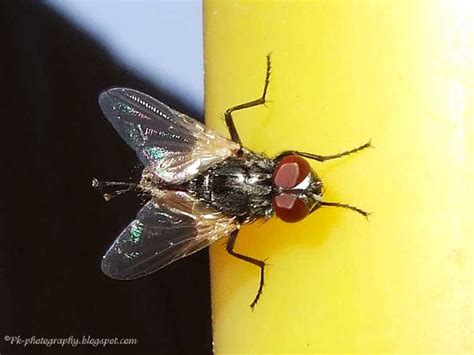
(202, 186)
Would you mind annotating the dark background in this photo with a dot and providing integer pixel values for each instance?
(54, 227)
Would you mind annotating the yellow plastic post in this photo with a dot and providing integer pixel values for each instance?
(400, 73)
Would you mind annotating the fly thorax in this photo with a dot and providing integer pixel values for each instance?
(239, 187)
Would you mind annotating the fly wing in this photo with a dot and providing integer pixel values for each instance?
(174, 146)
(170, 226)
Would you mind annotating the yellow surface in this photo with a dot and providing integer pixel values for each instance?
(401, 73)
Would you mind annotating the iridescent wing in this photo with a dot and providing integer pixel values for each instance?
(170, 226)
(174, 146)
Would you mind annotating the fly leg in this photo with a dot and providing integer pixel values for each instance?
(260, 263)
(228, 113)
(323, 157)
(344, 205)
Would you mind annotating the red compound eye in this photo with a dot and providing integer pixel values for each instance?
(289, 208)
(290, 171)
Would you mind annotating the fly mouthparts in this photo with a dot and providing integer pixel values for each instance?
(119, 188)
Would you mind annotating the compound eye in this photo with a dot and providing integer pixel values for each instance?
(290, 208)
(290, 171)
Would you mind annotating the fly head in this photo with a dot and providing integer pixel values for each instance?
(298, 189)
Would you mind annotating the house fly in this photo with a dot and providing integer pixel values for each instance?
(202, 186)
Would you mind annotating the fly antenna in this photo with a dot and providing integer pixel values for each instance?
(343, 205)
(119, 188)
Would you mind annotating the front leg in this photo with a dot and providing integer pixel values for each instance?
(229, 120)
(260, 263)
(322, 157)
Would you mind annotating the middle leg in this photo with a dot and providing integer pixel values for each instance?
(260, 263)
(229, 120)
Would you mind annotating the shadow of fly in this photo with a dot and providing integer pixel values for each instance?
(201, 186)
